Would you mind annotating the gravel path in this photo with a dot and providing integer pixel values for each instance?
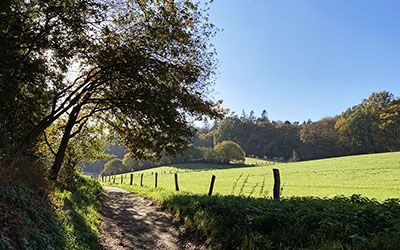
(133, 222)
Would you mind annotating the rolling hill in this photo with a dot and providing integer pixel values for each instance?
(373, 175)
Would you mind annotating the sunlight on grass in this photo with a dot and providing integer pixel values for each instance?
(374, 176)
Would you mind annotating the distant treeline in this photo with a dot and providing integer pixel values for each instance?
(370, 127)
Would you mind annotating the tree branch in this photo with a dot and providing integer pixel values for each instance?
(48, 143)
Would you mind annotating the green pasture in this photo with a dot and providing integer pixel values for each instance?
(374, 176)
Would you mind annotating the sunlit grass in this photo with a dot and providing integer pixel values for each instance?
(375, 176)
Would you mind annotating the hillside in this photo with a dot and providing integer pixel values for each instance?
(373, 175)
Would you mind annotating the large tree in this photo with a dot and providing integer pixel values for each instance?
(142, 67)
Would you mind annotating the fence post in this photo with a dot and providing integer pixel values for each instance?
(176, 182)
(122, 179)
(141, 180)
(114, 179)
(155, 179)
(211, 185)
(131, 179)
(277, 184)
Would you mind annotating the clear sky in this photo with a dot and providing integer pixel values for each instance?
(302, 59)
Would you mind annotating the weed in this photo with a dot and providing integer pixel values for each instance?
(235, 184)
(253, 189)
(244, 184)
(262, 187)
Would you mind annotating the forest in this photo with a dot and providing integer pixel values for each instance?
(373, 126)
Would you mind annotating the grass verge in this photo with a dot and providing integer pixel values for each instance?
(237, 222)
(69, 220)
(78, 212)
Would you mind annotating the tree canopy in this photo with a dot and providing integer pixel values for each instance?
(141, 69)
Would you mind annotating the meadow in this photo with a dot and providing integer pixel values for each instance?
(373, 176)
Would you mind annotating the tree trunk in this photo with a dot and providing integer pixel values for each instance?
(59, 158)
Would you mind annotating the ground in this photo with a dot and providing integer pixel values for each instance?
(133, 222)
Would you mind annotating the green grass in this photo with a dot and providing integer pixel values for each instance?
(68, 220)
(374, 176)
(237, 222)
(78, 213)
(234, 218)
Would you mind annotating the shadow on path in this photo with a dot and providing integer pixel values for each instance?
(132, 222)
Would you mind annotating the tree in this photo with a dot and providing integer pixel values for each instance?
(390, 124)
(209, 155)
(228, 151)
(132, 163)
(362, 127)
(88, 148)
(264, 116)
(114, 166)
(38, 40)
(320, 140)
(144, 69)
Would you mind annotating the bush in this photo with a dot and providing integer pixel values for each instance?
(209, 155)
(228, 151)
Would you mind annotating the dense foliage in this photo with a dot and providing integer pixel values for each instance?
(138, 69)
(27, 221)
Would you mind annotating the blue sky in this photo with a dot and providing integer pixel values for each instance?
(302, 59)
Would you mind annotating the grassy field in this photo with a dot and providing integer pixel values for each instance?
(374, 176)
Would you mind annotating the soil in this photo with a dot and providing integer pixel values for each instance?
(134, 222)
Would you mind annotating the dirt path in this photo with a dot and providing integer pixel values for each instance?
(132, 222)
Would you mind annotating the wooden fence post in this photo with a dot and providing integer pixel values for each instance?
(131, 182)
(176, 182)
(122, 179)
(141, 180)
(277, 184)
(211, 185)
(114, 179)
(155, 179)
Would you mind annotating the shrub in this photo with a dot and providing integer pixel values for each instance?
(209, 155)
(228, 151)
